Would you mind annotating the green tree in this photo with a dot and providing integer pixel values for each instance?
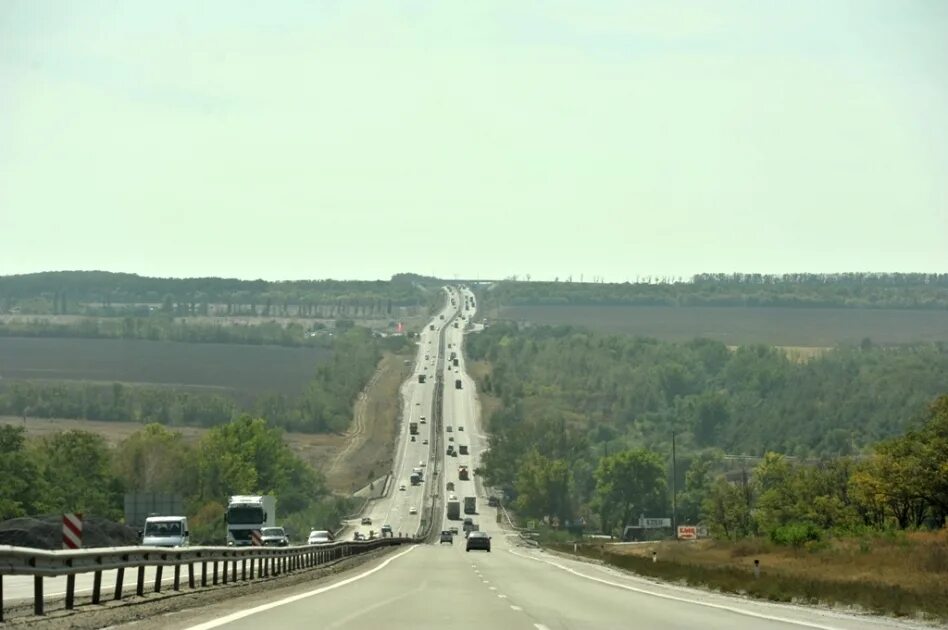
(155, 459)
(543, 487)
(76, 466)
(629, 483)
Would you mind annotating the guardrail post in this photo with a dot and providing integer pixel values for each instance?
(158, 571)
(97, 587)
(243, 569)
(119, 577)
(177, 578)
(233, 574)
(252, 562)
(191, 575)
(226, 570)
(38, 595)
(1, 598)
(140, 587)
(70, 591)
(215, 573)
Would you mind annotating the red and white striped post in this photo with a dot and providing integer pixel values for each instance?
(72, 530)
(255, 538)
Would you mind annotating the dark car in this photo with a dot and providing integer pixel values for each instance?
(366, 520)
(274, 537)
(478, 540)
(447, 537)
(387, 530)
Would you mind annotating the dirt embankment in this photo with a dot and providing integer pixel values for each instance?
(46, 532)
(366, 452)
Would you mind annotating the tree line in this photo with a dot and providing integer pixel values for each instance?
(846, 290)
(325, 405)
(122, 294)
(586, 420)
(78, 471)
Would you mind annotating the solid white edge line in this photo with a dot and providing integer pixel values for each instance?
(220, 621)
(676, 598)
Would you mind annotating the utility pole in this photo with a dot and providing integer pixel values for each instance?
(674, 489)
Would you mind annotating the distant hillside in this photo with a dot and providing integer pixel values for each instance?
(849, 290)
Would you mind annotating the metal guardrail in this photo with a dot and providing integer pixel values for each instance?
(205, 565)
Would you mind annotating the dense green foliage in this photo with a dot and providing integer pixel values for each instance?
(324, 405)
(903, 484)
(749, 401)
(569, 397)
(77, 471)
(105, 293)
(860, 290)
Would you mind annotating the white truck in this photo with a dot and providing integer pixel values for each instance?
(166, 531)
(246, 514)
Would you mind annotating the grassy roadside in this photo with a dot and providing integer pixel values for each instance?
(902, 575)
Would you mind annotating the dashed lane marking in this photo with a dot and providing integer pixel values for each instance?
(517, 608)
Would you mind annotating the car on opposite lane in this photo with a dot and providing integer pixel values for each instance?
(274, 537)
(478, 540)
(447, 537)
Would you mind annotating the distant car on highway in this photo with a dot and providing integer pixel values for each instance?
(366, 520)
(450, 438)
(401, 487)
(413, 510)
(460, 428)
(424, 441)
(450, 485)
(274, 537)
(386, 530)
(448, 428)
(453, 529)
(319, 537)
(478, 540)
(446, 537)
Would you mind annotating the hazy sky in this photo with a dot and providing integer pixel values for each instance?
(355, 139)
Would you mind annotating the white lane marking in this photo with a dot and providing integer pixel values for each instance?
(486, 581)
(677, 598)
(220, 621)
(493, 588)
(540, 626)
(501, 596)
(517, 608)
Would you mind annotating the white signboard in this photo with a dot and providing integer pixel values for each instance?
(687, 532)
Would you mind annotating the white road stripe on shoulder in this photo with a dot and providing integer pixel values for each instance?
(676, 598)
(220, 621)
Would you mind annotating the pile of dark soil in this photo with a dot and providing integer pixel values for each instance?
(46, 532)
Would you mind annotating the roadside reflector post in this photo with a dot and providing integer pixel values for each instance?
(191, 575)
(177, 577)
(158, 578)
(654, 557)
(72, 530)
(70, 591)
(756, 569)
(140, 586)
(243, 569)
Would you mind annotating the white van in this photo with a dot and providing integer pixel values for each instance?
(166, 531)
